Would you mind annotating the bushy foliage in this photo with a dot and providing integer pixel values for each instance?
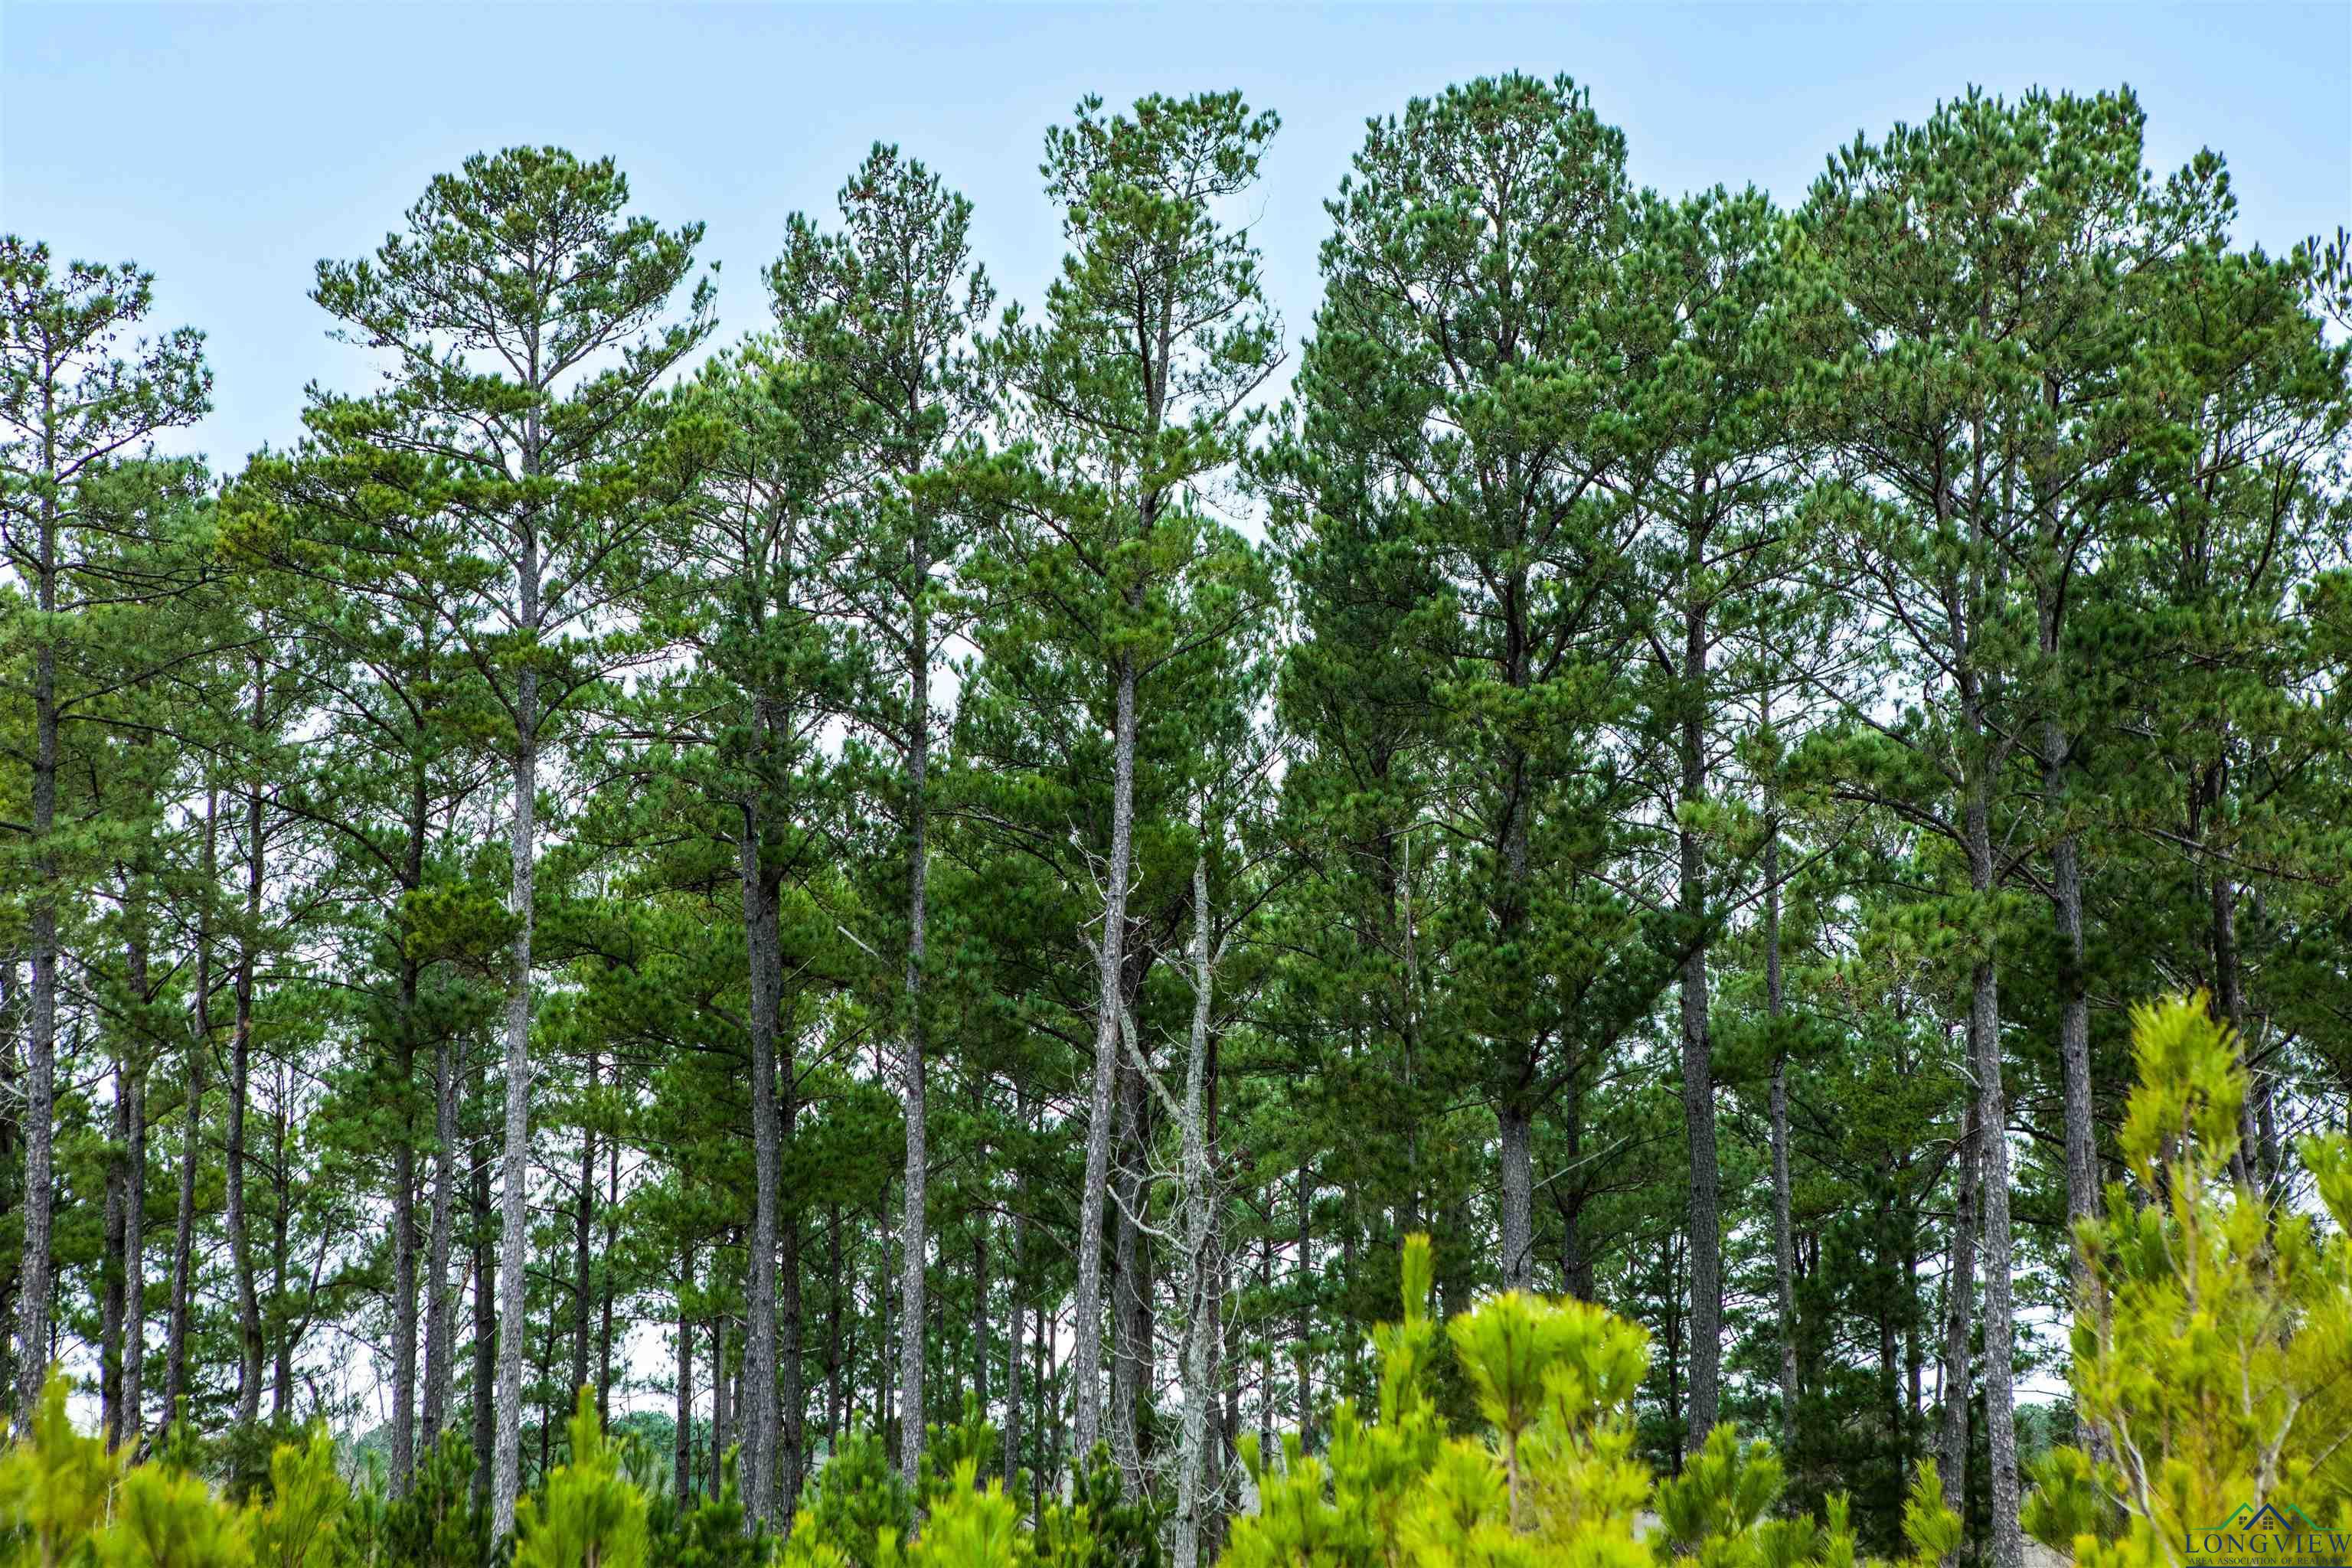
(436, 1525)
(2212, 1349)
(589, 1515)
(1554, 1480)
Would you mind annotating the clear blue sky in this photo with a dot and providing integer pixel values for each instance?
(228, 149)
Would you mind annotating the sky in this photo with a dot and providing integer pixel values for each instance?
(228, 149)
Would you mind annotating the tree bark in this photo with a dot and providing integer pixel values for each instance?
(1517, 1126)
(1999, 1331)
(41, 938)
(1130, 1312)
(1699, 1051)
(1959, 1309)
(485, 1305)
(1784, 1243)
(916, 1222)
(763, 944)
(514, 1242)
(1193, 1476)
(240, 1091)
(440, 1346)
(1085, 1361)
(200, 1039)
(682, 1445)
(583, 1220)
(404, 1243)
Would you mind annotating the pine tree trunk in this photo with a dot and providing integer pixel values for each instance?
(682, 1445)
(485, 1305)
(240, 1095)
(1999, 1331)
(1959, 1310)
(1517, 1127)
(1193, 1467)
(404, 1243)
(110, 1302)
(765, 952)
(134, 1242)
(440, 1345)
(792, 1465)
(1017, 1305)
(582, 1223)
(2074, 1005)
(281, 1218)
(41, 938)
(604, 1307)
(514, 1197)
(834, 1285)
(792, 1427)
(1085, 1361)
(1302, 1334)
(200, 1033)
(1699, 1051)
(722, 1416)
(1131, 1289)
(1784, 1242)
(916, 1222)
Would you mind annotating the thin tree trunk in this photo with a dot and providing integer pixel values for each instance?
(514, 1197)
(1131, 1287)
(1302, 1334)
(1085, 1374)
(582, 1231)
(1698, 1052)
(240, 1093)
(916, 1222)
(41, 935)
(1784, 1245)
(109, 1304)
(722, 1416)
(404, 1243)
(2074, 1009)
(486, 1306)
(682, 1448)
(791, 1437)
(765, 952)
(833, 1348)
(1959, 1304)
(2000, 1418)
(1016, 1291)
(604, 1307)
(1193, 1476)
(135, 1245)
(440, 1346)
(281, 1181)
(200, 1037)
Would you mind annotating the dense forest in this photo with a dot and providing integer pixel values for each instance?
(952, 882)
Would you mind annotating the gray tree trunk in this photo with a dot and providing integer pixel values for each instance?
(440, 1340)
(1086, 1359)
(514, 1196)
(1201, 1254)
(1960, 1312)
(200, 1034)
(1698, 1056)
(240, 1095)
(915, 1223)
(1784, 1239)
(2000, 1326)
(1517, 1127)
(41, 938)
